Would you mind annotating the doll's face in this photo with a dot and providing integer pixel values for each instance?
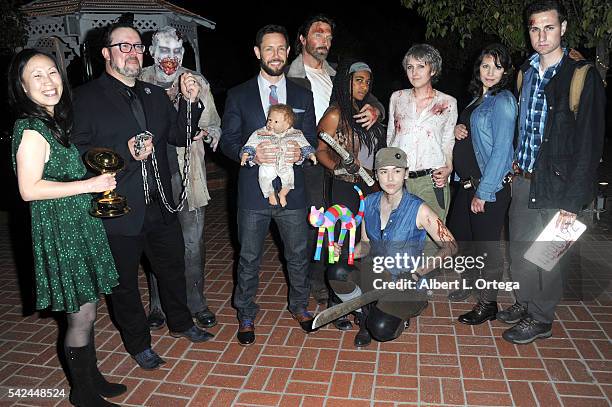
(277, 122)
(168, 53)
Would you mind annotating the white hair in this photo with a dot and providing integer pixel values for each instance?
(166, 31)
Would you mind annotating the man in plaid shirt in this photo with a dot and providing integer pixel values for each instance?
(556, 164)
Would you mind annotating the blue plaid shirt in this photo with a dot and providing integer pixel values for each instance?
(532, 131)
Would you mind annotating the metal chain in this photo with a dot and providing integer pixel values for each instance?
(184, 175)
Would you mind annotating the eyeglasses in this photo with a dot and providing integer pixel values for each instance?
(126, 47)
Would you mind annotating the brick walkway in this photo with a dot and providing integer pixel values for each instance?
(437, 361)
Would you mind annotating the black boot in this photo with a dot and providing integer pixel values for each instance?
(102, 386)
(363, 337)
(82, 392)
(482, 311)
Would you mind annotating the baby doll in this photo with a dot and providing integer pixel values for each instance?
(279, 130)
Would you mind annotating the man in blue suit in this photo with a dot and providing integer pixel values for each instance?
(246, 109)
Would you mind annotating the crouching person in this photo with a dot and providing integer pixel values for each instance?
(395, 222)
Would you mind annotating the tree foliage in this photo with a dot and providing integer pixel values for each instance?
(589, 22)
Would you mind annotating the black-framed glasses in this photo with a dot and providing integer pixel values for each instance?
(126, 47)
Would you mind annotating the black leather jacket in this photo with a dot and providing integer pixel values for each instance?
(565, 169)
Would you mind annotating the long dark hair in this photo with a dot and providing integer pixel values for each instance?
(501, 56)
(60, 124)
(342, 96)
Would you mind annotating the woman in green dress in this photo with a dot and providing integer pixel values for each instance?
(73, 263)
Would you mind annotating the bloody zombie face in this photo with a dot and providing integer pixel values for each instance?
(167, 50)
(319, 39)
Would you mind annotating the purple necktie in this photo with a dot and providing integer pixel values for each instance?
(273, 96)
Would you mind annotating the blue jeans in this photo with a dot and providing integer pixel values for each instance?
(253, 227)
(192, 225)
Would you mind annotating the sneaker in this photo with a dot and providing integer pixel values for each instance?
(148, 359)
(194, 334)
(205, 319)
(246, 332)
(527, 331)
(512, 314)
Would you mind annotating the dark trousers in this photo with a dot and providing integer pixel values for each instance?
(253, 227)
(315, 185)
(192, 225)
(480, 233)
(163, 245)
(540, 290)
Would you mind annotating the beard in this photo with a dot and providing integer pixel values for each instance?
(271, 71)
(126, 71)
(320, 53)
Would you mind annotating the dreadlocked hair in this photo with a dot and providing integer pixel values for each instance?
(342, 96)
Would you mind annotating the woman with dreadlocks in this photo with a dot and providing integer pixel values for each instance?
(351, 86)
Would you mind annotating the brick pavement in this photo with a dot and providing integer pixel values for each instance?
(437, 361)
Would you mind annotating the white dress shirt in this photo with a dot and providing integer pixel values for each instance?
(264, 91)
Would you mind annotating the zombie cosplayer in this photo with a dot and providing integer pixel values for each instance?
(167, 50)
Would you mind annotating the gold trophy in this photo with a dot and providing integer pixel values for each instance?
(108, 204)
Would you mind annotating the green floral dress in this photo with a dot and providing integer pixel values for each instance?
(73, 262)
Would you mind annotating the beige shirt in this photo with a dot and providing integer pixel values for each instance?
(427, 137)
(321, 86)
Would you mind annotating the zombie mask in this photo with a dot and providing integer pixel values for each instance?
(167, 50)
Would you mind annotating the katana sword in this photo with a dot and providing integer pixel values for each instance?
(337, 311)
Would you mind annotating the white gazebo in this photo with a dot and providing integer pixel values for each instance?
(61, 26)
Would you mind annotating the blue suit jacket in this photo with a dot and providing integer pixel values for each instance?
(243, 115)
